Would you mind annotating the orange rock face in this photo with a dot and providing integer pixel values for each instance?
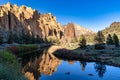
(69, 32)
(17, 18)
(73, 31)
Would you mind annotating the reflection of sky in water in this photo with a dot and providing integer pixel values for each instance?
(76, 72)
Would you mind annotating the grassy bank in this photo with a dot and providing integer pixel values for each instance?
(22, 49)
(10, 69)
(27, 49)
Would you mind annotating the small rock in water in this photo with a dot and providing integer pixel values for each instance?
(90, 74)
(67, 73)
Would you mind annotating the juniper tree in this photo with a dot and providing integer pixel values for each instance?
(116, 40)
(1, 39)
(82, 43)
(109, 40)
(99, 38)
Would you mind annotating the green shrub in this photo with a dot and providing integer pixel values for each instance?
(9, 72)
(7, 56)
(10, 69)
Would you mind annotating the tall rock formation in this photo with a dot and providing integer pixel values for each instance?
(74, 31)
(16, 19)
(69, 32)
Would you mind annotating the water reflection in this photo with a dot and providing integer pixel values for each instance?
(71, 62)
(83, 65)
(35, 66)
(31, 69)
(46, 64)
(100, 69)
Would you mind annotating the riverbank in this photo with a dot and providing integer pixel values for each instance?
(73, 52)
(24, 49)
(89, 55)
(9, 55)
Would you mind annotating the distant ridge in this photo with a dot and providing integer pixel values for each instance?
(79, 30)
(74, 31)
(113, 28)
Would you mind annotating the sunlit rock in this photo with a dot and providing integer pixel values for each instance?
(15, 18)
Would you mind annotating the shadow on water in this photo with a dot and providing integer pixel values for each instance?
(46, 63)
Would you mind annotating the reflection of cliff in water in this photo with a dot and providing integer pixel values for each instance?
(48, 64)
(45, 63)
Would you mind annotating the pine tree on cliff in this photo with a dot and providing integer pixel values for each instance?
(116, 40)
(99, 38)
(82, 43)
(109, 40)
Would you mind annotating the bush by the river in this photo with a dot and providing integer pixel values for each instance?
(10, 69)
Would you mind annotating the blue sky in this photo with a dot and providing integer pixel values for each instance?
(92, 14)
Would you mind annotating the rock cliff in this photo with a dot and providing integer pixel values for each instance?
(69, 32)
(14, 18)
(74, 31)
(18, 19)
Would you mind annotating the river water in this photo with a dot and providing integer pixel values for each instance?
(48, 67)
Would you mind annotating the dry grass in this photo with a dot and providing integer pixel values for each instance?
(70, 46)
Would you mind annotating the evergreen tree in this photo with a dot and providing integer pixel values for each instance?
(16, 38)
(38, 39)
(116, 40)
(27, 38)
(109, 40)
(99, 38)
(1, 39)
(82, 43)
(33, 39)
(10, 37)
